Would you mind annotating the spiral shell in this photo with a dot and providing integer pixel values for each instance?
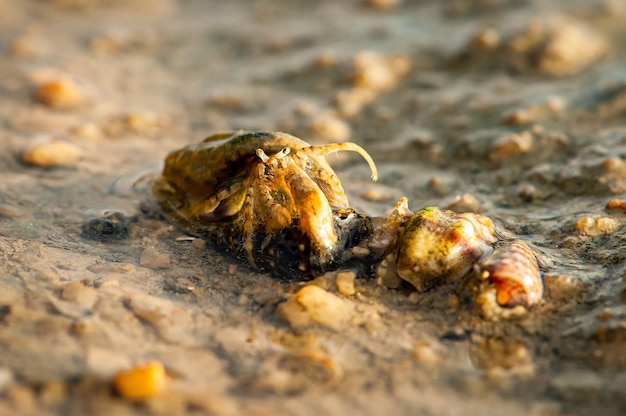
(513, 270)
(440, 246)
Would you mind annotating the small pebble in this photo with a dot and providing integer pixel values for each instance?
(382, 5)
(345, 283)
(330, 128)
(425, 354)
(465, 203)
(313, 305)
(59, 93)
(112, 226)
(616, 204)
(154, 259)
(325, 60)
(556, 47)
(145, 123)
(596, 226)
(54, 153)
(198, 243)
(379, 193)
(141, 382)
(486, 40)
(351, 101)
(511, 145)
(76, 292)
(378, 72)
(87, 131)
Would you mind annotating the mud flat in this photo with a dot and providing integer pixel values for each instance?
(512, 109)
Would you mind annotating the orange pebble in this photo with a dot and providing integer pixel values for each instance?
(616, 204)
(59, 93)
(141, 382)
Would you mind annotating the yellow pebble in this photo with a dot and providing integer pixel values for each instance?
(345, 283)
(53, 153)
(59, 93)
(141, 382)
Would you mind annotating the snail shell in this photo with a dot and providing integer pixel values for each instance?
(513, 270)
(440, 246)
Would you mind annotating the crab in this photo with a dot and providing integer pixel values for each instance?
(258, 191)
(273, 200)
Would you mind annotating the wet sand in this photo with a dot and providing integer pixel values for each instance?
(511, 109)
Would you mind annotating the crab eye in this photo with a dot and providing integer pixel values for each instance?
(283, 153)
(262, 155)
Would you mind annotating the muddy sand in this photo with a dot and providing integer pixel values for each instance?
(513, 109)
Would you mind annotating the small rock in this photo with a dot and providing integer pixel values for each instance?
(465, 203)
(380, 193)
(616, 204)
(83, 296)
(511, 145)
(556, 47)
(325, 60)
(87, 131)
(345, 283)
(378, 72)
(486, 39)
(351, 101)
(425, 353)
(59, 93)
(112, 226)
(594, 227)
(153, 259)
(330, 128)
(198, 243)
(173, 324)
(313, 305)
(383, 5)
(54, 153)
(141, 382)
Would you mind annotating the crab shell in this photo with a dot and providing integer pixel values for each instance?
(440, 246)
(199, 171)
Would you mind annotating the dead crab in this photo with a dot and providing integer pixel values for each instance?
(274, 200)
